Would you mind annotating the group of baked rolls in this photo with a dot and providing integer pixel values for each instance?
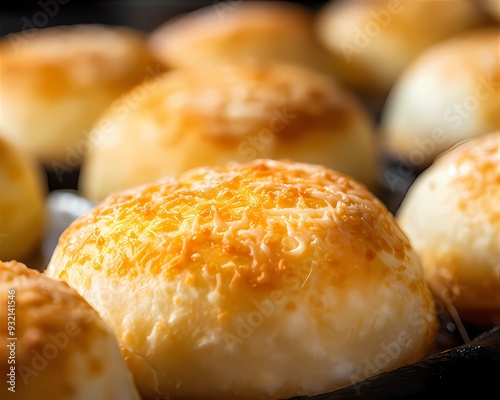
(240, 245)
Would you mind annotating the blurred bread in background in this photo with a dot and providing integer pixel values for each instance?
(452, 216)
(262, 280)
(22, 204)
(232, 112)
(63, 349)
(228, 31)
(450, 93)
(371, 42)
(56, 83)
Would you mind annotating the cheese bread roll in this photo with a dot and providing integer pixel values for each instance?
(452, 216)
(249, 30)
(22, 204)
(261, 280)
(449, 94)
(236, 112)
(56, 82)
(54, 345)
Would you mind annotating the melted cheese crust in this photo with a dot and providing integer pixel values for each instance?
(63, 349)
(303, 259)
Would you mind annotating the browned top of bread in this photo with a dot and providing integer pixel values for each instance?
(277, 30)
(60, 346)
(198, 220)
(73, 57)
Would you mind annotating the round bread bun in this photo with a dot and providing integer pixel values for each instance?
(452, 215)
(225, 32)
(373, 41)
(54, 344)
(451, 93)
(235, 112)
(492, 7)
(22, 204)
(262, 280)
(56, 81)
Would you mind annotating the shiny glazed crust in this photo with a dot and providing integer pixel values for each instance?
(260, 280)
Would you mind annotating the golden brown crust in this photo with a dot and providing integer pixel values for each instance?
(200, 250)
(260, 30)
(256, 200)
(55, 84)
(239, 111)
(52, 336)
(47, 304)
(22, 204)
(77, 54)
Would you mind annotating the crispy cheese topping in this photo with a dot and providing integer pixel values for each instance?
(253, 221)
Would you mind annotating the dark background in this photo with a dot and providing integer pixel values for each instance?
(140, 14)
